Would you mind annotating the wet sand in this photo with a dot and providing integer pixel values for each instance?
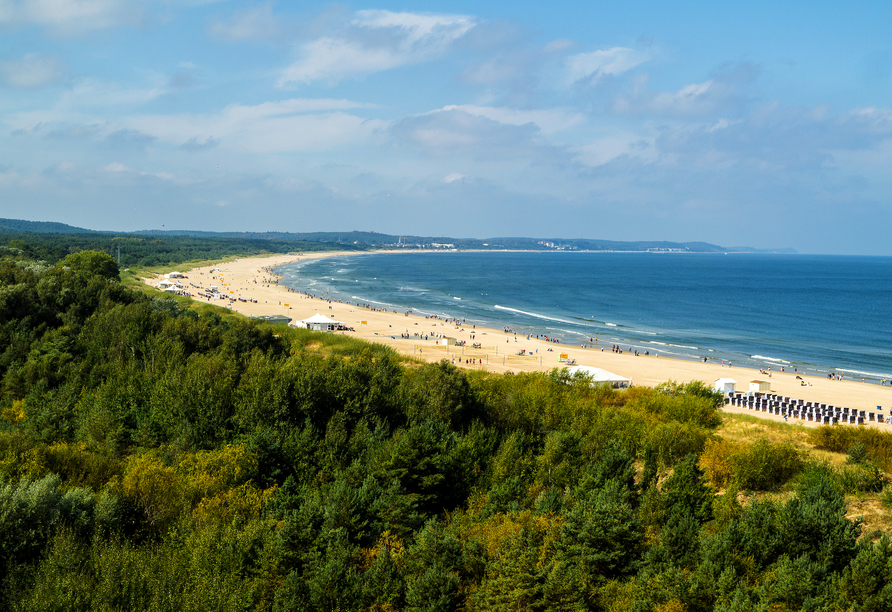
(251, 279)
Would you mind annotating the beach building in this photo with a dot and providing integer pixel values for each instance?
(319, 322)
(760, 385)
(725, 385)
(174, 275)
(599, 376)
(167, 285)
(444, 341)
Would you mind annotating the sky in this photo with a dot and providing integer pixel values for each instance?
(758, 123)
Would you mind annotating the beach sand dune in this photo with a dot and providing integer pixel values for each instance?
(253, 280)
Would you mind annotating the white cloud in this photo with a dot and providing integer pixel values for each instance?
(72, 16)
(547, 120)
(333, 59)
(376, 41)
(590, 67)
(428, 29)
(451, 178)
(289, 125)
(603, 150)
(686, 98)
(32, 71)
(93, 93)
(253, 24)
(456, 132)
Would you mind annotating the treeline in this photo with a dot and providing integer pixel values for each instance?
(156, 458)
(146, 251)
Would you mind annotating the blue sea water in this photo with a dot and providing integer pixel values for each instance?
(817, 313)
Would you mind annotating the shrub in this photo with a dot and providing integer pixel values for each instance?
(763, 465)
(857, 453)
(841, 438)
(676, 404)
(717, 461)
(686, 492)
(672, 441)
(886, 497)
(849, 480)
(864, 478)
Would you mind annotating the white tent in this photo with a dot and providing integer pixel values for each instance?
(174, 275)
(725, 385)
(598, 376)
(166, 283)
(319, 322)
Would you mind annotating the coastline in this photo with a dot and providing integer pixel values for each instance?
(254, 279)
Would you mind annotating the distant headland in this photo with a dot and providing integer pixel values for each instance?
(373, 240)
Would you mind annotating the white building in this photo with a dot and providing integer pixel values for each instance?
(725, 385)
(319, 322)
(760, 385)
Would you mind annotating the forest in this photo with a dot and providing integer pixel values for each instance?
(164, 456)
(143, 251)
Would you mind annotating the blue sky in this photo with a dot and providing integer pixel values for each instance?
(766, 124)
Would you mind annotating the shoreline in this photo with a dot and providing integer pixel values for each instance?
(627, 334)
(255, 279)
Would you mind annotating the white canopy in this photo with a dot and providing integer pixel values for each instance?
(319, 322)
(597, 375)
(320, 318)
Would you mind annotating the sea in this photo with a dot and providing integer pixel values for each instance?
(819, 314)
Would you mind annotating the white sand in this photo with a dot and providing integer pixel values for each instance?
(248, 279)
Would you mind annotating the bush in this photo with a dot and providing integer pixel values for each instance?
(672, 441)
(679, 403)
(886, 497)
(764, 466)
(841, 438)
(849, 480)
(865, 478)
(717, 461)
(857, 454)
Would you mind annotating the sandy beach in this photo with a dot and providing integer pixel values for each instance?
(252, 280)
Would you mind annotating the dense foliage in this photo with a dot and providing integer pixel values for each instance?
(354, 239)
(154, 458)
(140, 250)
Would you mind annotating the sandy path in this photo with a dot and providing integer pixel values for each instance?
(250, 279)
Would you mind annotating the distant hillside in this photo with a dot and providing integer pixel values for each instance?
(40, 227)
(361, 240)
(378, 240)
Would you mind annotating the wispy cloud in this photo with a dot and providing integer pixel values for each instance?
(197, 144)
(726, 92)
(585, 68)
(289, 125)
(257, 23)
(456, 132)
(548, 120)
(374, 41)
(33, 71)
(71, 16)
